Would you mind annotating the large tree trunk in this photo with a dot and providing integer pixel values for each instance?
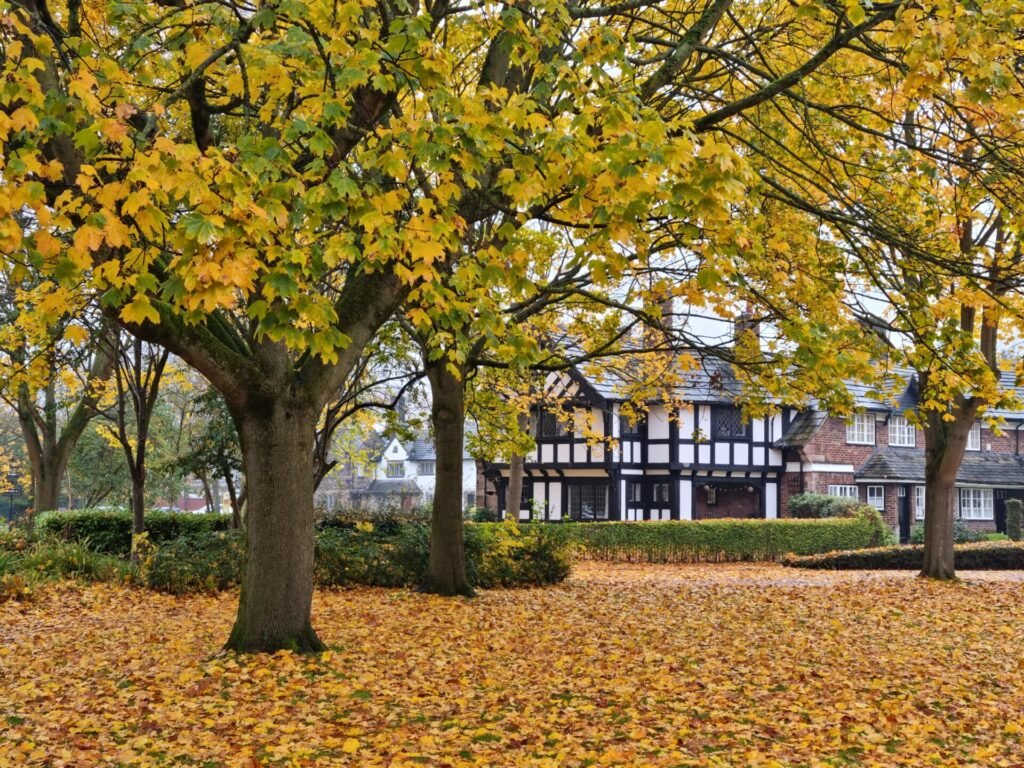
(945, 443)
(277, 587)
(446, 574)
(46, 483)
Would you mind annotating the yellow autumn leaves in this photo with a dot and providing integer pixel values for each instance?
(620, 666)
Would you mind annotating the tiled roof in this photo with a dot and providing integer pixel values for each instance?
(392, 486)
(802, 429)
(977, 467)
(713, 381)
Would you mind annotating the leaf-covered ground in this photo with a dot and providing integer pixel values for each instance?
(629, 666)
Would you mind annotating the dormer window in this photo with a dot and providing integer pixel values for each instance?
(902, 433)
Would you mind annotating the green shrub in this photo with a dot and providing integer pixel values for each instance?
(71, 560)
(686, 541)
(499, 555)
(203, 562)
(818, 506)
(496, 555)
(481, 515)
(110, 530)
(387, 519)
(1014, 518)
(388, 558)
(977, 556)
(962, 533)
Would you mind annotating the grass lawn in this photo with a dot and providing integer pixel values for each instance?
(621, 665)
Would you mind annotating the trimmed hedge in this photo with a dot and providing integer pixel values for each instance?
(962, 533)
(685, 541)
(110, 530)
(392, 556)
(814, 506)
(982, 556)
(204, 562)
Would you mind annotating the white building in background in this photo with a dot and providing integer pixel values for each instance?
(400, 474)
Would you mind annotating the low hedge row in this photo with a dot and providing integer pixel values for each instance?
(722, 540)
(393, 556)
(110, 530)
(983, 556)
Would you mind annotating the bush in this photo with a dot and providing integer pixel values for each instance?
(496, 555)
(686, 541)
(110, 530)
(817, 506)
(962, 533)
(1014, 518)
(203, 562)
(365, 555)
(981, 556)
(481, 515)
(387, 519)
(499, 555)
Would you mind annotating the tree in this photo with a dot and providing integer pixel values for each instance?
(137, 375)
(915, 183)
(257, 190)
(213, 450)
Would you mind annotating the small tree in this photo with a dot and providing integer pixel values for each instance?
(1014, 518)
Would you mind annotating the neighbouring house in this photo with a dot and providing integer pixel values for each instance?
(394, 473)
(703, 460)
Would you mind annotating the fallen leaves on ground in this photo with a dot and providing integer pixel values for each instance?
(620, 666)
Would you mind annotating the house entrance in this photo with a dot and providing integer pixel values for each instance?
(717, 499)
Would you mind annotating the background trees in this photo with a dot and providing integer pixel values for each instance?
(258, 189)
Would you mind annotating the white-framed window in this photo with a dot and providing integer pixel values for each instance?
(427, 468)
(876, 496)
(861, 431)
(974, 437)
(396, 469)
(976, 503)
(919, 502)
(844, 491)
(902, 433)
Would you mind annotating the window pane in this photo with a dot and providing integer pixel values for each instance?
(901, 432)
(727, 422)
(974, 438)
(630, 429)
(876, 496)
(844, 491)
(396, 469)
(862, 429)
(588, 502)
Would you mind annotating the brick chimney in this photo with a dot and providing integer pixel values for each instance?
(744, 322)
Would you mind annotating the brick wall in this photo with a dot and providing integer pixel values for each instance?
(828, 446)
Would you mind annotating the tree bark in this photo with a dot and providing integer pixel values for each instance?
(446, 573)
(138, 509)
(945, 443)
(236, 510)
(274, 611)
(513, 498)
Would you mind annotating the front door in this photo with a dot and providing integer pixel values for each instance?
(904, 511)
